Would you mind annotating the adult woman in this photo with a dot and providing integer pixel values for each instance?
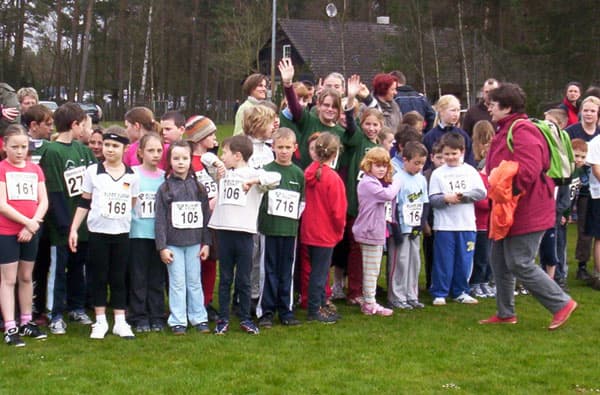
(514, 255)
(384, 90)
(569, 103)
(255, 87)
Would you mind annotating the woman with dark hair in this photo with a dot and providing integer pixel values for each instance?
(513, 255)
(384, 90)
(255, 87)
(570, 102)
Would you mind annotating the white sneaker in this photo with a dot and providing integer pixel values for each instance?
(439, 301)
(465, 298)
(123, 330)
(99, 330)
(58, 327)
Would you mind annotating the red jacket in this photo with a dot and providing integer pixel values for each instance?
(324, 216)
(535, 210)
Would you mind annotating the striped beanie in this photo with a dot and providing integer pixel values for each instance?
(198, 127)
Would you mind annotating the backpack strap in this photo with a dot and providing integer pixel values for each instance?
(509, 136)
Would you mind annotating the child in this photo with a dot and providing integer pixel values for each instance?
(452, 190)
(64, 163)
(414, 119)
(86, 131)
(139, 121)
(172, 124)
(483, 132)
(437, 159)
(182, 214)
(202, 133)
(402, 137)
(411, 212)
(23, 204)
(109, 192)
(579, 179)
(146, 272)
(375, 194)
(323, 222)
(446, 120)
(386, 138)
(39, 122)
(235, 219)
(278, 222)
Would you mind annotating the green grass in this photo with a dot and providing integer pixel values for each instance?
(436, 350)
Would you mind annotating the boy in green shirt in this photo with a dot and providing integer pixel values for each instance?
(278, 222)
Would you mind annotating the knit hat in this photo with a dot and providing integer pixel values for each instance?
(197, 128)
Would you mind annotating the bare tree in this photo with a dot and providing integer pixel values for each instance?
(462, 52)
(85, 46)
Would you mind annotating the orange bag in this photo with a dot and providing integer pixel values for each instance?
(504, 202)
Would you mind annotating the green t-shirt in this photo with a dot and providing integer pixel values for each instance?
(283, 202)
(64, 165)
(308, 125)
(355, 148)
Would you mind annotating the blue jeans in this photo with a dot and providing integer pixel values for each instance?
(186, 299)
(277, 291)
(482, 271)
(320, 260)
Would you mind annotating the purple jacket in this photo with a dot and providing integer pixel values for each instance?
(369, 226)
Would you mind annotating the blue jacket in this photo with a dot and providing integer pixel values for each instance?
(435, 134)
(410, 100)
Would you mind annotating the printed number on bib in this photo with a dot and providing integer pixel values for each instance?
(232, 192)
(115, 205)
(74, 180)
(209, 184)
(411, 213)
(456, 184)
(388, 211)
(22, 186)
(283, 203)
(145, 206)
(186, 215)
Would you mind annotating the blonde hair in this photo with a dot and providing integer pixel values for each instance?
(372, 112)
(483, 133)
(257, 119)
(27, 91)
(592, 99)
(442, 104)
(378, 156)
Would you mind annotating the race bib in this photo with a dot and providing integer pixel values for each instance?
(145, 206)
(388, 211)
(456, 183)
(74, 180)
(115, 205)
(360, 175)
(574, 188)
(22, 186)
(283, 203)
(186, 215)
(209, 184)
(232, 192)
(411, 213)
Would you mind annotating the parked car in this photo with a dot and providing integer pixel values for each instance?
(93, 110)
(50, 104)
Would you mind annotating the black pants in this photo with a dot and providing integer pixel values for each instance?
(146, 283)
(108, 264)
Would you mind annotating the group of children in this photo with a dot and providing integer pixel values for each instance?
(327, 189)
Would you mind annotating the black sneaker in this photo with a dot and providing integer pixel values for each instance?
(12, 338)
(222, 327)
(291, 321)
(178, 330)
(266, 321)
(322, 316)
(583, 274)
(249, 327)
(31, 330)
(203, 327)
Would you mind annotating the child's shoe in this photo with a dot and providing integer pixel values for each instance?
(123, 330)
(290, 321)
(80, 316)
(31, 330)
(12, 338)
(99, 330)
(322, 316)
(465, 298)
(222, 327)
(416, 304)
(439, 301)
(489, 291)
(266, 321)
(337, 292)
(477, 291)
(249, 327)
(203, 327)
(58, 327)
(178, 330)
(375, 309)
(142, 327)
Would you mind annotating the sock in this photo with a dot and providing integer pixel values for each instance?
(25, 319)
(8, 325)
(101, 318)
(120, 319)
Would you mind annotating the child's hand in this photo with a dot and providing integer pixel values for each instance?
(248, 184)
(363, 92)
(286, 69)
(32, 225)
(563, 220)
(24, 236)
(73, 236)
(204, 252)
(427, 230)
(212, 203)
(452, 198)
(353, 86)
(166, 256)
(221, 169)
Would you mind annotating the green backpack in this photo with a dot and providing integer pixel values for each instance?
(562, 161)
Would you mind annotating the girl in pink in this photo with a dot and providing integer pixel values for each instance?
(23, 204)
(375, 191)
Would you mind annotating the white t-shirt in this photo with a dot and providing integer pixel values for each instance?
(110, 211)
(593, 158)
(446, 179)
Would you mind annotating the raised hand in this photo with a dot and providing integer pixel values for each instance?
(286, 69)
(353, 85)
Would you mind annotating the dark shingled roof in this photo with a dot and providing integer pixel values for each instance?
(319, 44)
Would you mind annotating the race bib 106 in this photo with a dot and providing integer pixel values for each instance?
(232, 192)
(186, 215)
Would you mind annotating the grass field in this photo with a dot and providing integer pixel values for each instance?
(432, 351)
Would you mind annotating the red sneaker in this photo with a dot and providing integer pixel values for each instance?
(497, 320)
(562, 315)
